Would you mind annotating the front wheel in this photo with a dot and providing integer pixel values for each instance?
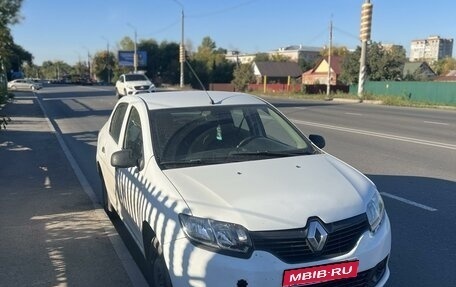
(107, 206)
(157, 272)
(118, 95)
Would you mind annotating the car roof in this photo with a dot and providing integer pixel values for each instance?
(181, 99)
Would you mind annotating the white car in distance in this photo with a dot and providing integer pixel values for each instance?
(221, 189)
(132, 84)
(24, 84)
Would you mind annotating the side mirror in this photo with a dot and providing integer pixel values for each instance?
(318, 140)
(123, 159)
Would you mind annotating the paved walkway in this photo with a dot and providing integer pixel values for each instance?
(51, 233)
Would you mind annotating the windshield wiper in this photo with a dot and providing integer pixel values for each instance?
(189, 162)
(272, 153)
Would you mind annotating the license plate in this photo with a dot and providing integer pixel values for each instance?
(318, 274)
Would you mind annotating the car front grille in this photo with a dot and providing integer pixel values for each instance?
(291, 246)
(368, 278)
(142, 87)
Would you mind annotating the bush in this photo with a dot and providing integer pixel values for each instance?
(5, 96)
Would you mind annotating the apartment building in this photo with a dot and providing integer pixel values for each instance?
(431, 49)
(293, 53)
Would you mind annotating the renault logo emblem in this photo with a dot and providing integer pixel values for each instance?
(316, 236)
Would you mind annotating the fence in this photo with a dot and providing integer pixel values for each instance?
(431, 92)
(280, 88)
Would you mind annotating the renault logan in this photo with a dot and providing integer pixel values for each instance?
(220, 189)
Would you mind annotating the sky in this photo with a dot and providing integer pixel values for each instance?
(70, 30)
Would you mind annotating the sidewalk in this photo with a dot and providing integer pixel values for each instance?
(51, 233)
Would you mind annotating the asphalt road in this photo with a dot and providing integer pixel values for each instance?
(409, 153)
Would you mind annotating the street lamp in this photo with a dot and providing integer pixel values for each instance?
(181, 47)
(135, 54)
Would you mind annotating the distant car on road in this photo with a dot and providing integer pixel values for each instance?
(221, 189)
(132, 84)
(24, 84)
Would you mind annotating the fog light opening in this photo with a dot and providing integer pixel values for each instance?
(242, 283)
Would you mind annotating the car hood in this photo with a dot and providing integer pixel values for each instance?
(274, 193)
(138, 83)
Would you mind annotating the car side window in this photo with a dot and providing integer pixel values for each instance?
(116, 121)
(134, 138)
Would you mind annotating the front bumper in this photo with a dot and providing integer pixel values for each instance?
(134, 91)
(196, 267)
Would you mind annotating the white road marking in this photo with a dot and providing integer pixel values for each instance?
(353, 114)
(388, 136)
(437, 123)
(409, 202)
(380, 135)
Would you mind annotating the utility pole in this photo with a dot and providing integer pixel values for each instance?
(181, 46)
(328, 87)
(182, 52)
(135, 53)
(365, 34)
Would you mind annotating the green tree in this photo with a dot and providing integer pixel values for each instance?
(381, 64)
(279, 58)
(210, 64)
(350, 67)
(341, 51)
(205, 51)
(443, 66)
(305, 65)
(127, 44)
(151, 47)
(168, 66)
(242, 76)
(9, 15)
(54, 69)
(261, 57)
(104, 65)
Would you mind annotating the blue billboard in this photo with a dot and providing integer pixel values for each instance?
(126, 58)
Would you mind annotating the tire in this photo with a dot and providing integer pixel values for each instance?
(157, 272)
(118, 95)
(107, 206)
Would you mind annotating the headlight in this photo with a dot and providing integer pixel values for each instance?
(375, 211)
(224, 237)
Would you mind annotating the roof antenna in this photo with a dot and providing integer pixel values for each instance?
(199, 81)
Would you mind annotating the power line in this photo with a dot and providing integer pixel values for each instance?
(346, 33)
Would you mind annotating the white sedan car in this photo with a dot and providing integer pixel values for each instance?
(132, 84)
(221, 189)
(24, 84)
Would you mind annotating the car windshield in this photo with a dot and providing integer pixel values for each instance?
(135, 77)
(218, 134)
